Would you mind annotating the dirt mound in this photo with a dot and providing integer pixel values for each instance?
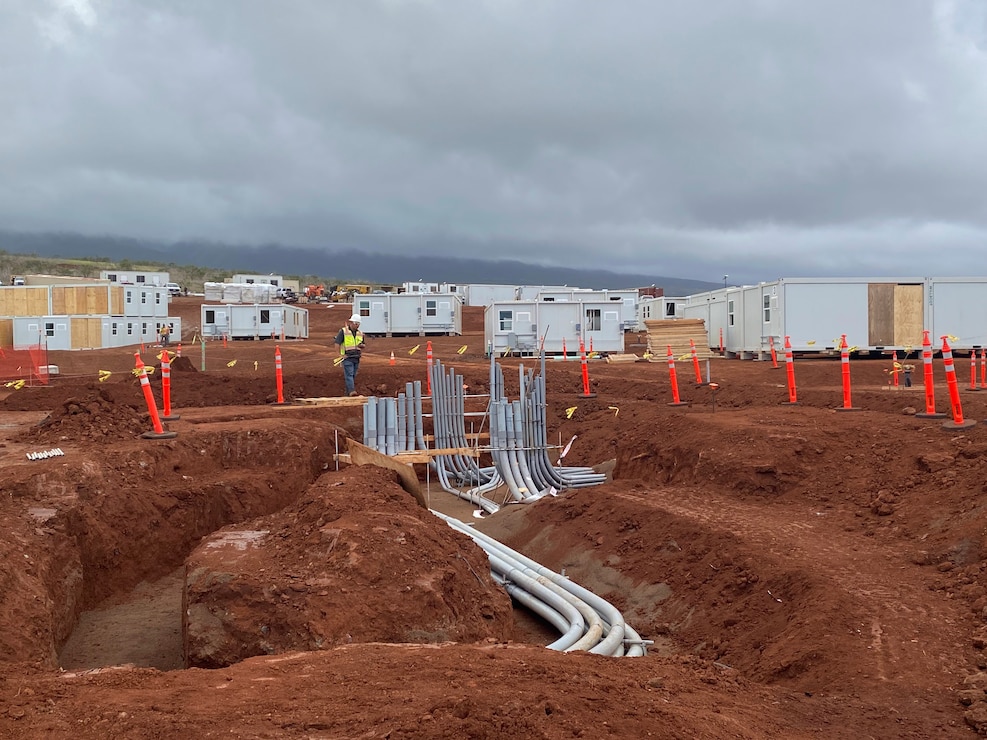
(183, 365)
(354, 560)
(100, 414)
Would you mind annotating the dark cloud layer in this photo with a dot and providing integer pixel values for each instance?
(758, 139)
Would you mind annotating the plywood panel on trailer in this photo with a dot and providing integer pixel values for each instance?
(79, 299)
(86, 332)
(880, 314)
(24, 301)
(116, 300)
(6, 332)
(908, 315)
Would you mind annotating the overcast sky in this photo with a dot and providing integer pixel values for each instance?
(751, 138)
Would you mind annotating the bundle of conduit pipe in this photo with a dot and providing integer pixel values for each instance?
(585, 621)
(518, 437)
(519, 450)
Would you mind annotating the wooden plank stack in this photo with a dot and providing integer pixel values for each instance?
(677, 332)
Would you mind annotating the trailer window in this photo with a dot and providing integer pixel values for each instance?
(430, 308)
(730, 313)
(767, 309)
(506, 321)
(593, 319)
(111, 276)
(210, 316)
(129, 296)
(265, 316)
(139, 279)
(130, 329)
(670, 309)
(49, 329)
(143, 298)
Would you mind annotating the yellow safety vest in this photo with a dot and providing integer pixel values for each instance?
(351, 340)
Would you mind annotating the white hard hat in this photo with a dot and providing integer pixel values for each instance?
(355, 318)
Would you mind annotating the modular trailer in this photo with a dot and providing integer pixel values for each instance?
(519, 327)
(876, 314)
(87, 332)
(254, 321)
(407, 314)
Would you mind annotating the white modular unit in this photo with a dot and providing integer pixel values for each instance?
(408, 314)
(482, 294)
(254, 321)
(53, 332)
(956, 309)
(459, 289)
(145, 300)
(657, 308)
(875, 314)
(627, 299)
(127, 331)
(420, 287)
(520, 327)
(135, 277)
(275, 280)
(531, 292)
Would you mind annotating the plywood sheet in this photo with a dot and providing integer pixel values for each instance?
(86, 332)
(880, 314)
(908, 315)
(24, 301)
(6, 333)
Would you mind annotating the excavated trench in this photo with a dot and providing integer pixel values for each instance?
(118, 571)
(110, 557)
(128, 559)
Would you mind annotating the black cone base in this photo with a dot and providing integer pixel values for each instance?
(965, 424)
(162, 435)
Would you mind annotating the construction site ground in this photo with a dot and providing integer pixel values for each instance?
(801, 571)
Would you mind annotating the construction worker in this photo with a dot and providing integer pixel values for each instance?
(350, 341)
(165, 332)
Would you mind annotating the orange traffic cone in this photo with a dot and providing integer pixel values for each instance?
(392, 362)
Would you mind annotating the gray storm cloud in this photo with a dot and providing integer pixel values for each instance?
(756, 139)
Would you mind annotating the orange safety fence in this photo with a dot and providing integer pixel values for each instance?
(29, 364)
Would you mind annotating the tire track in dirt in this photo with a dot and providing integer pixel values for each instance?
(913, 633)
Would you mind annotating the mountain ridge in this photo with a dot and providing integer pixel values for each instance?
(347, 266)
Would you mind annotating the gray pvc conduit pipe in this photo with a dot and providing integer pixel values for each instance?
(613, 641)
(538, 592)
(370, 423)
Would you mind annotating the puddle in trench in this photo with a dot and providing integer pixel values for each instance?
(142, 628)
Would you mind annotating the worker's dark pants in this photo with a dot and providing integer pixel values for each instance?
(350, 366)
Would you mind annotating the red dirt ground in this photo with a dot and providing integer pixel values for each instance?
(803, 572)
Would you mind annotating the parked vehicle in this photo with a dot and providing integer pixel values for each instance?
(173, 288)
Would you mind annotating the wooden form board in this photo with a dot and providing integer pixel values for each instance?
(6, 332)
(677, 333)
(331, 401)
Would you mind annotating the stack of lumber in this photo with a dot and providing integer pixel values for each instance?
(622, 358)
(677, 332)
